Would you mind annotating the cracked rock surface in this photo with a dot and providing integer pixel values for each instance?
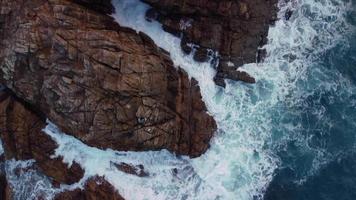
(106, 85)
(23, 139)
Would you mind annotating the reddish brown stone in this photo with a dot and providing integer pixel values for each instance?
(96, 188)
(106, 85)
(23, 139)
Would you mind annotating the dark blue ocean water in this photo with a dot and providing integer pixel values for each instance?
(318, 158)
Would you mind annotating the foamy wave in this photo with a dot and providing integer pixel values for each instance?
(27, 182)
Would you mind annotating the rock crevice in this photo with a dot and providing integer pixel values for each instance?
(235, 28)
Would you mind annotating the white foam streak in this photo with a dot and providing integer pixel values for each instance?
(159, 185)
(1, 148)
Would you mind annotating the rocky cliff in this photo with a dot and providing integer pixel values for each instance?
(108, 86)
(234, 28)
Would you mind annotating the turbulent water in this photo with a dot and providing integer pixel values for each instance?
(314, 126)
(289, 136)
(26, 181)
(294, 122)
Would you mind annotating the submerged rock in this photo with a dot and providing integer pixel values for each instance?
(236, 29)
(138, 170)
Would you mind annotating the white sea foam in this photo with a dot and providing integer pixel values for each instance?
(1, 148)
(27, 182)
(161, 184)
(240, 162)
(316, 26)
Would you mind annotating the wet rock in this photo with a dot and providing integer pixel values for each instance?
(201, 55)
(236, 29)
(3, 185)
(5, 191)
(23, 139)
(233, 75)
(4, 188)
(230, 71)
(152, 15)
(288, 14)
(261, 54)
(96, 188)
(186, 47)
(137, 170)
(102, 6)
(106, 85)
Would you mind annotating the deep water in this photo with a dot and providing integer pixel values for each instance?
(318, 154)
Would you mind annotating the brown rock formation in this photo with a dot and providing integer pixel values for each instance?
(23, 139)
(106, 85)
(234, 28)
(95, 189)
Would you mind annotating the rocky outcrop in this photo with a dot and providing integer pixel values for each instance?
(138, 170)
(96, 188)
(106, 85)
(234, 28)
(5, 191)
(110, 87)
(23, 139)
